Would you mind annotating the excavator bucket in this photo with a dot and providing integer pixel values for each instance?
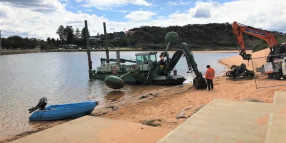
(200, 83)
(246, 56)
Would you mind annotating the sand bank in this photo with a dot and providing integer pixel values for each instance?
(258, 59)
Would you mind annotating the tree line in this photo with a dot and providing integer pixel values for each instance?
(68, 35)
(17, 42)
(212, 36)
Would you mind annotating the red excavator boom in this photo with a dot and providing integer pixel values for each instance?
(238, 29)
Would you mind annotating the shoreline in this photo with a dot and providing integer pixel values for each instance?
(13, 52)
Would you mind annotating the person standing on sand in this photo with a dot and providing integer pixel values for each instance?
(210, 73)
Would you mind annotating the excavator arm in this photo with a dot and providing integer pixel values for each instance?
(239, 29)
(199, 82)
(183, 50)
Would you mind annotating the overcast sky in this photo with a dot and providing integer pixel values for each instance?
(41, 18)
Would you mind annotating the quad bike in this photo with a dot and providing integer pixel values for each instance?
(239, 72)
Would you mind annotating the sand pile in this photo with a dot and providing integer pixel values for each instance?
(258, 58)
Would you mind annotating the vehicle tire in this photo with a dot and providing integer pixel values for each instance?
(228, 74)
(277, 76)
(270, 76)
(251, 73)
(246, 74)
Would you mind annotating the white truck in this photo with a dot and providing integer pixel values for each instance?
(275, 69)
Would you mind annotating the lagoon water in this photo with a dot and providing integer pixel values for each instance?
(63, 78)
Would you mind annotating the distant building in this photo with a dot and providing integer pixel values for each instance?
(119, 35)
(94, 38)
(72, 46)
(129, 33)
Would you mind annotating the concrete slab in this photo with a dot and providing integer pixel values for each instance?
(280, 97)
(91, 129)
(276, 129)
(231, 122)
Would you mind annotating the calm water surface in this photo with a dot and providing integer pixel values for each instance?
(63, 78)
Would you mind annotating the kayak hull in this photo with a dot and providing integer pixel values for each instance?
(64, 111)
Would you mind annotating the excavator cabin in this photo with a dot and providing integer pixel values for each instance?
(145, 60)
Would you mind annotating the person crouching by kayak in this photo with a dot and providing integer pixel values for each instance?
(210, 73)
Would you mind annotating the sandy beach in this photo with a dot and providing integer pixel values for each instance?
(166, 104)
(163, 105)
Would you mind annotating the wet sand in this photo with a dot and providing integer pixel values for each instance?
(167, 102)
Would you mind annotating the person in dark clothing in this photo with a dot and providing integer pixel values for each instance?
(162, 63)
(210, 73)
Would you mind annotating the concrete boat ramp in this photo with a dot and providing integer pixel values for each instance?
(218, 122)
(234, 122)
(89, 129)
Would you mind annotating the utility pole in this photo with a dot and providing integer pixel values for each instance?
(0, 41)
(87, 47)
(106, 43)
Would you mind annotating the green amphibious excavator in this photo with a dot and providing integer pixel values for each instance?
(145, 69)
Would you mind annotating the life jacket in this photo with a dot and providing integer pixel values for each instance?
(210, 73)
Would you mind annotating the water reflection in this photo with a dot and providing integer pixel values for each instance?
(94, 93)
(114, 95)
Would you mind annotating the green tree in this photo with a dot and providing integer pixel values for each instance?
(49, 40)
(83, 37)
(61, 33)
(69, 34)
(15, 42)
(43, 45)
(77, 34)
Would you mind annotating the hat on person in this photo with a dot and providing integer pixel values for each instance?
(208, 66)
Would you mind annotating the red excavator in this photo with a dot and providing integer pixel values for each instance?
(275, 60)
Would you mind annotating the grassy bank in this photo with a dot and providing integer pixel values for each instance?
(11, 52)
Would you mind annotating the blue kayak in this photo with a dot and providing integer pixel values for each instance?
(64, 111)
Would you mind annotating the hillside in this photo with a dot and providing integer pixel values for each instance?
(212, 36)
